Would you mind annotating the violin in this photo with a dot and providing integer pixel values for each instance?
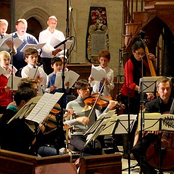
(100, 101)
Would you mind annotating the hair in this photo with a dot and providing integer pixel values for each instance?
(137, 45)
(55, 59)
(26, 82)
(24, 94)
(105, 53)
(81, 84)
(4, 21)
(52, 17)
(63, 58)
(21, 20)
(163, 80)
(5, 54)
(30, 51)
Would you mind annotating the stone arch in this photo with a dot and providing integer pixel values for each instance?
(39, 14)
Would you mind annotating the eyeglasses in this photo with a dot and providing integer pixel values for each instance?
(140, 54)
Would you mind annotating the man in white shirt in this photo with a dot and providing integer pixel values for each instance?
(48, 51)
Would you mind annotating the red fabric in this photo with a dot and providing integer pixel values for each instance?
(129, 84)
(5, 97)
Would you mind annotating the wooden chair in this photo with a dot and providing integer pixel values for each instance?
(101, 164)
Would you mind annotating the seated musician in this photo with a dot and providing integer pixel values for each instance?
(161, 104)
(84, 120)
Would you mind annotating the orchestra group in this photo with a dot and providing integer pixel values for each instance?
(38, 69)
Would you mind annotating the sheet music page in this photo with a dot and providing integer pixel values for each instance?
(16, 81)
(99, 121)
(151, 121)
(54, 41)
(26, 109)
(168, 122)
(97, 73)
(43, 107)
(36, 46)
(73, 76)
(16, 41)
(58, 80)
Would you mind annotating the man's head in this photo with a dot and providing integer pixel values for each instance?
(104, 58)
(52, 23)
(4, 59)
(21, 27)
(164, 87)
(23, 95)
(56, 64)
(31, 56)
(30, 83)
(3, 26)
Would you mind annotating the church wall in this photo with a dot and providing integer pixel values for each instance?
(41, 9)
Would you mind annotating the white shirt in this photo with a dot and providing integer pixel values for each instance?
(45, 37)
(29, 72)
(107, 88)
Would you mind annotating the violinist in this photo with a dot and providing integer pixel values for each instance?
(83, 122)
(130, 88)
(161, 104)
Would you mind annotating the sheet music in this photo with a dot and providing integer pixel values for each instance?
(103, 116)
(26, 109)
(36, 46)
(16, 81)
(16, 41)
(98, 73)
(153, 122)
(119, 123)
(58, 80)
(73, 76)
(43, 107)
(55, 41)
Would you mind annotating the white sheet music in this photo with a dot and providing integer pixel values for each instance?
(55, 41)
(70, 76)
(153, 122)
(16, 41)
(122, 124)
(36, 46)
(43, 107)
(16, 81)
(98, 73)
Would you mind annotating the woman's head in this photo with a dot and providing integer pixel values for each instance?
(138, 50)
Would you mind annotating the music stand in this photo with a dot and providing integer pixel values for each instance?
(113, 125)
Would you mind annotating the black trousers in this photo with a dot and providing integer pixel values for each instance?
(78, 141)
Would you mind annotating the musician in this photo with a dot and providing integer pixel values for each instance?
(83, 122)
(161, 104)
(129, 92)
(32, 71)
(17, 136)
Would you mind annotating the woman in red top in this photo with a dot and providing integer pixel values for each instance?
(129, 92)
